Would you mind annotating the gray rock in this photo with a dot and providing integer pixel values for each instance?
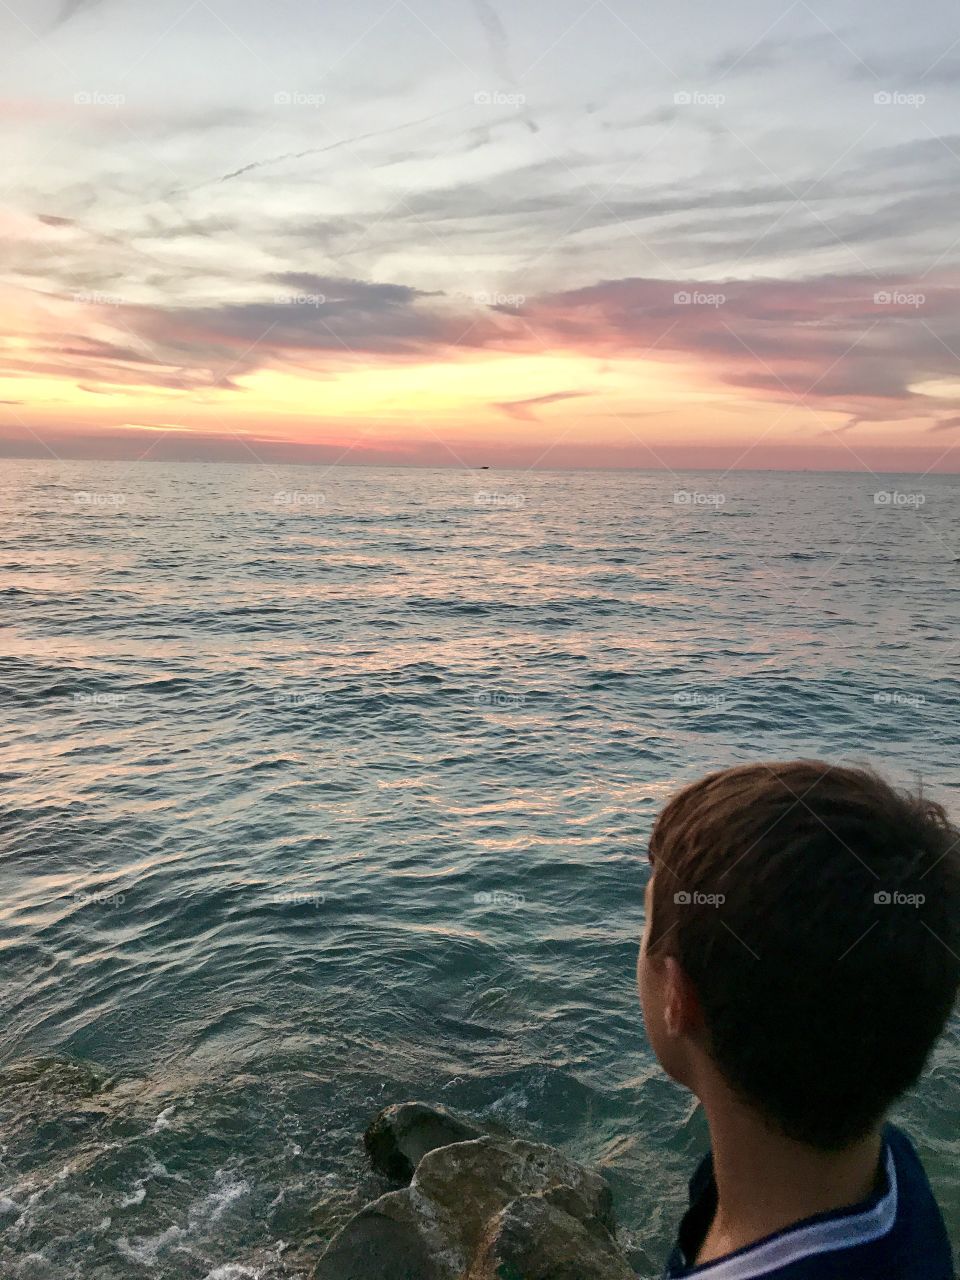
(534, 1239)
(470, 1182)
(386, 1240)
(401, 1136)
(450, 1220)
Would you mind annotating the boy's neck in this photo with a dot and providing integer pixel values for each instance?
(767, 1182)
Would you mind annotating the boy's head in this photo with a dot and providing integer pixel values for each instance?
(803, 939)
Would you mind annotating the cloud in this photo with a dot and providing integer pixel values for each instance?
(335, 146)
(946, 424)
(496, 38)
(301, 318)
(835, 343)
(70, 8)
(523, 410)
(774, 52)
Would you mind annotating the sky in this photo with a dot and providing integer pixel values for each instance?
(466, 233)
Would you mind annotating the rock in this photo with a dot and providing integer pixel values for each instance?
(401, 1136)
(472, 1181)
(466, 1209)
(388, 1240)
(534, 1239)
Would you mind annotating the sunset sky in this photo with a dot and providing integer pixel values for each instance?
(569, 234)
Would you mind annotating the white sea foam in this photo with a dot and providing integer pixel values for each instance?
(201, 1215)
(163, 1120)
(233, 1271)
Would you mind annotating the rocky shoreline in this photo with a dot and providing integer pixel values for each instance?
(472, 1205)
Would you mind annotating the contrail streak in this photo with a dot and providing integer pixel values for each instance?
(333, 146)
(497, 37)
(70, 8)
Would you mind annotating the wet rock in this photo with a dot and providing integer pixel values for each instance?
(388, 1239)
(487, 1208)
(470, 1182)
(534, 1239)
(401, 1136)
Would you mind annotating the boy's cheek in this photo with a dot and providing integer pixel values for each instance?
(647, 989)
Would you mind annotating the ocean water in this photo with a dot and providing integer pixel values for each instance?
(324, 789)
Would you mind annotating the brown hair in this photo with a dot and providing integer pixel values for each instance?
(816, 910)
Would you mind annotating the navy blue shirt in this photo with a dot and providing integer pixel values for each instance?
(897, 1234)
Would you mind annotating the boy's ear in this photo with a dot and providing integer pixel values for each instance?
(682, 1014)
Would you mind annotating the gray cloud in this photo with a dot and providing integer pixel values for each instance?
(777, 51)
